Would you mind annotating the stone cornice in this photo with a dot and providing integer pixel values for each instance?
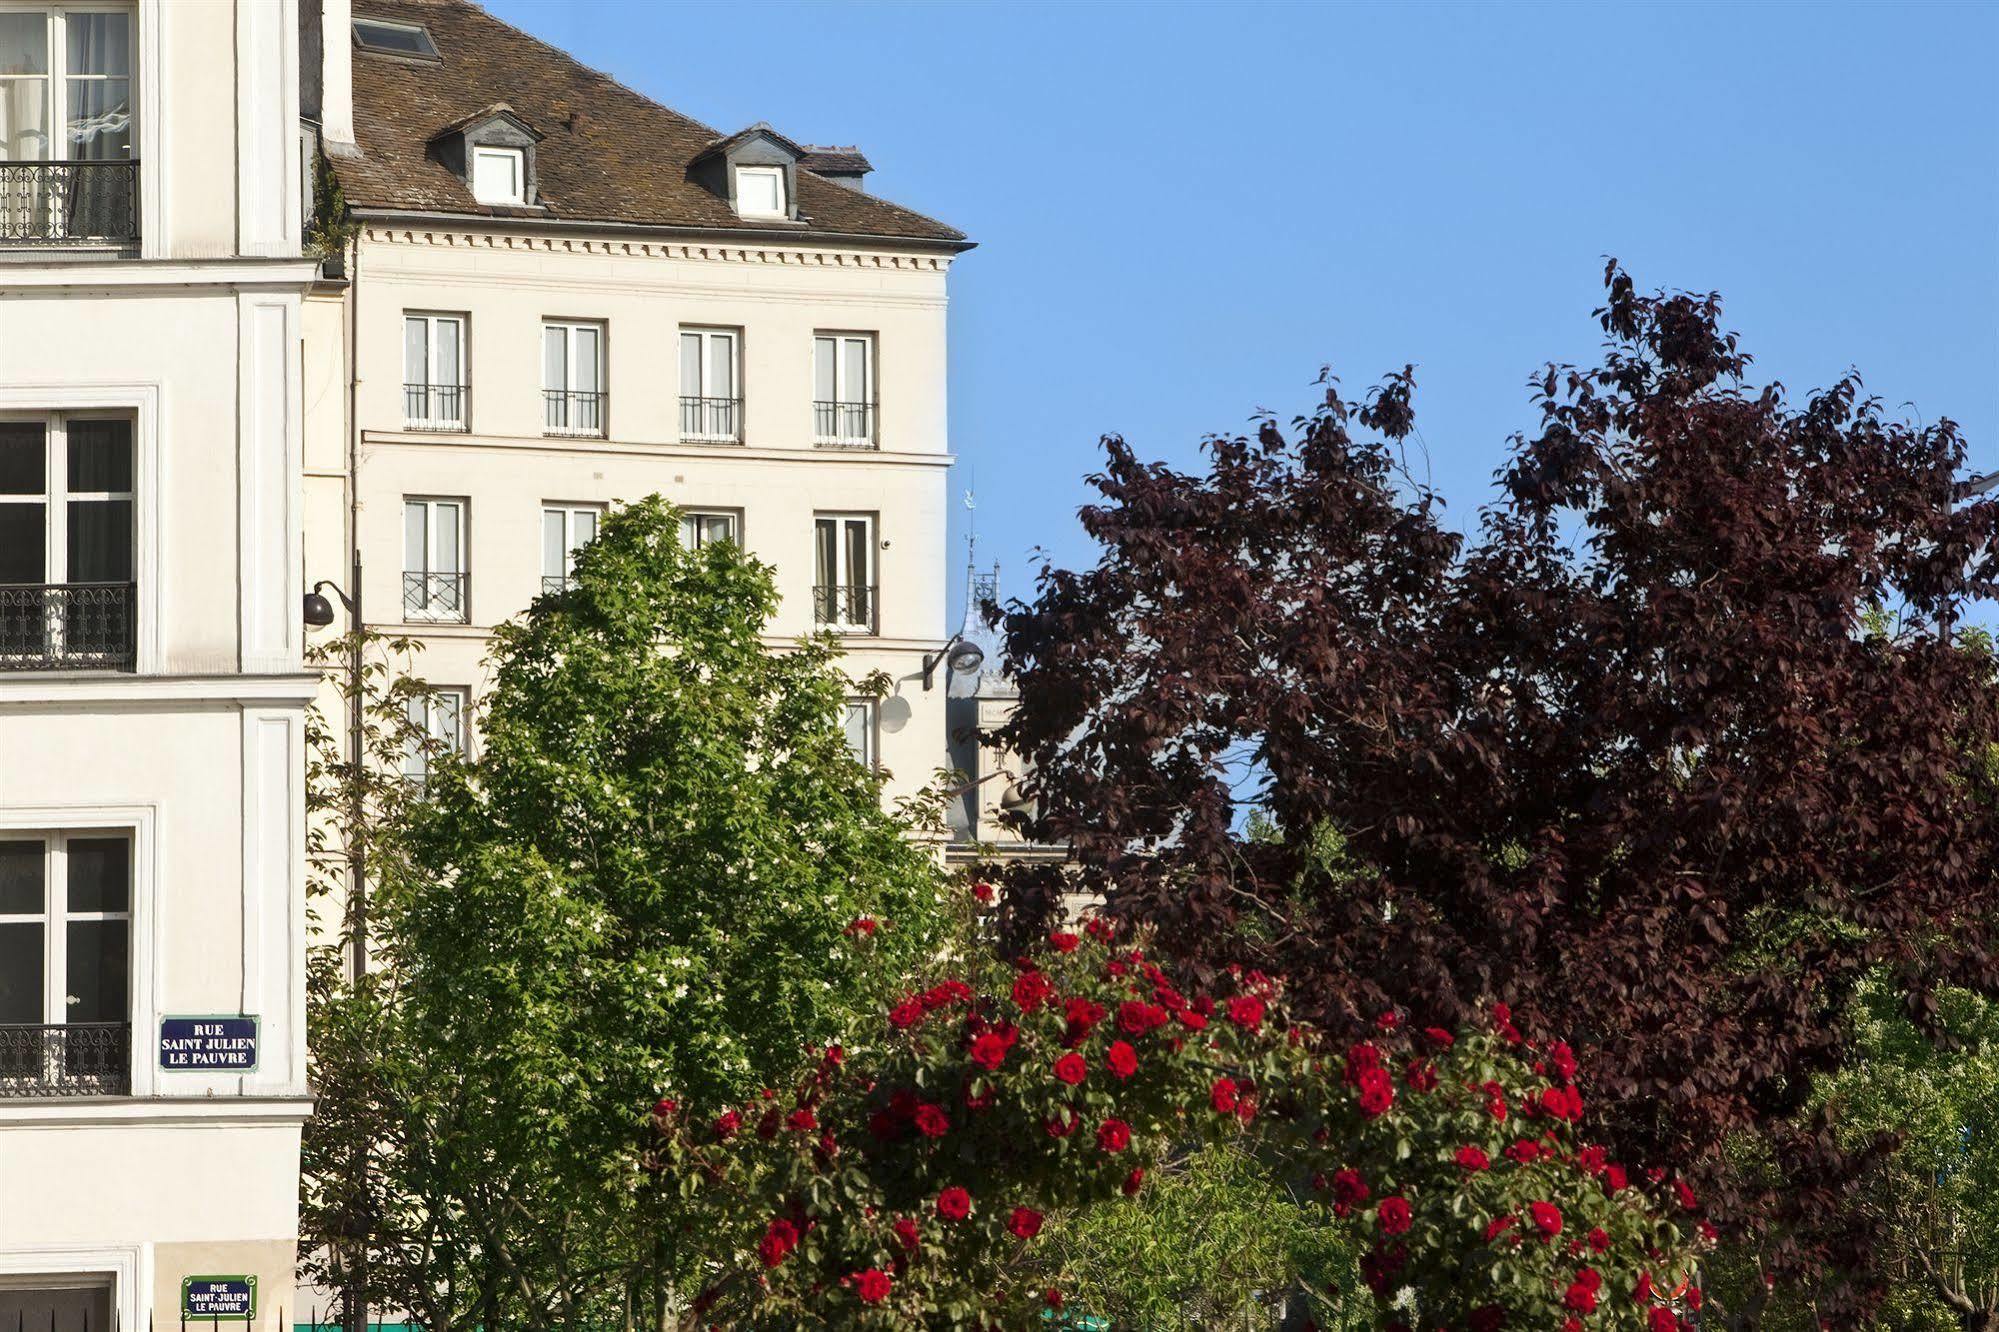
(806, 252)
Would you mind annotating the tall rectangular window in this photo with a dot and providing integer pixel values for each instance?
(701, 528)
(65, 961)
(565, 529)
(843, 593)
(572, 378)
(434, 372)
(68, 597)
(436, 728)
(66, 120)
(711, 405)
(843, 389)
(434, 573)
(860, 718)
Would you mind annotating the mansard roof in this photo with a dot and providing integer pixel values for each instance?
(607, 153)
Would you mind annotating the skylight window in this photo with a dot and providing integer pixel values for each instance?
(399, 39)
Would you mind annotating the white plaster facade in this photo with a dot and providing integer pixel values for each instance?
(174, 756)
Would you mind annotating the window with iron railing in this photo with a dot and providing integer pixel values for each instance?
(843, 590)
(436, 728)
(68, 596)
(572, 383)
(67, 173)
(843, 390)
(435, 393)
(711, 404)
(434, 575)
(565, 529)
(65, 959)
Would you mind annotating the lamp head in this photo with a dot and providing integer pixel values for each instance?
(318, 610)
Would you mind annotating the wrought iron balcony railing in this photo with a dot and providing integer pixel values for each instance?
(69, 203)
(76, 1059)
(436, 406)
(843, 425)
(434, 596)
(553, 584)
(570, 412)
(711, 420)
(67, 626)
(844, 606)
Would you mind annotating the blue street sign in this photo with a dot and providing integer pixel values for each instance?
(208, 1044)
(213, 1297)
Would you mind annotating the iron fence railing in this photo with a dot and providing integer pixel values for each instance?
(434, 596)
(551, 585)
(844, 606)
(435, 406)
(69, 203)
(67, 626)
(711, 420)
(72, 1059)
(843, 425)
(572, 412)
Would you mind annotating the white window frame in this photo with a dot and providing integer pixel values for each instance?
(833, 603)
(79, 1263)
(55, 916)
(517, 160)
(55, 495)
(569, 328)
(869, 756)
(691, 538)
(57, 78)
(443, 718)
(569, 516)
(712, 418)
(848, 417)
(427, 613)
(774, 174)
(430, 418)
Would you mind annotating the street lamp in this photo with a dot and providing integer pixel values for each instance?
(961, 655)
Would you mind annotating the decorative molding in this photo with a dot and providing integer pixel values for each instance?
(569, 446)
(153, 692)
(247, 273)
(130, 1267)
(715, 251)
(269, 462)
(157, 1112)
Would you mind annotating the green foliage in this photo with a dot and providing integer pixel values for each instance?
(330, 228)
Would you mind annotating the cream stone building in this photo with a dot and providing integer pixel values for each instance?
(564, 295)
(152, 914)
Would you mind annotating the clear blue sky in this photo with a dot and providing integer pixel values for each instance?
(1183, 211)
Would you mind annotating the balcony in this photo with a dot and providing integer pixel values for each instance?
(572, 412)
(711, 420)
(435, 406)
(554, 585)
(843, 425)
(78, 1059)
(67, 626)
(847, 606)
(84, 205)
(438, 597)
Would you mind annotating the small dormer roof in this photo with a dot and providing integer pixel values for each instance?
(761, 130)
(485, 114)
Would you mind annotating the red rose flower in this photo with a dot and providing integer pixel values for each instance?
(1377, 1092)
(1082, 1015)
(1025, 1223)
(727, 1124)
(1030, 990)
(664, 1107)
(1473, 1159)
(1062, 1125)
(931, 1121)
(1135, 1018)
(1498, 1226)
(1191, 1018)
(954, 1204)
(1580, 1298)
(1684, 1194)
(1526, 1151)
(1071, 1069)
(872, 1285)
(1113, 1135)
(780, 1238)
(983, 892)
(1613, 1179)
(1063, 943)
(802, 1119)
(1564, 1061)
(1662, 1319)
(905, 1231)
(989, 1049)
(1599, 1240)
(861, 927)
(1121, 1059)
(1440, 1038)
(1246, 1011)
(1393, 1213)
(1222, 1096)
(906, 1014)
(1547, 1219)
(1133, 1182)
(1052, 1298)
(1349, 1191)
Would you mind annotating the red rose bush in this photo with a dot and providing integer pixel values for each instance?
(907, 1181)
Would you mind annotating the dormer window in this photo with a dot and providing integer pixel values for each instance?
(499, 175)
(760, 191)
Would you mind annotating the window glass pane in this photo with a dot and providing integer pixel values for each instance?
(100, 541)
(445, 716)
(554, 549)
(56, 1304)
(446, 332)
(100, 874)
(759, 191)
(859, 726)
(444, 556)
(721, 366)
(583, 528)
(23, 457)
(416, 546)
(496, 175)
(100, 120)
(857, 553)
(554, 359)
(24, 117)
(97, 969)
(586, 360)
(416, 351)
(854, 380)
(23, 543)
(100, 456)
(21, 867)
(416, 762)
(24, 43)
(824, 365)
(394, 38)
(99, 43)
(721, 526)
(826, 536)
(21, 972)
(690, 366)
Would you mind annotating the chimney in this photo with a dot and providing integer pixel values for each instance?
(336, 78)
(841, 165)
